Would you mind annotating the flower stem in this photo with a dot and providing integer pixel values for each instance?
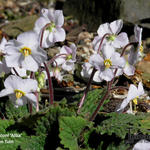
(51, 95)
(129, 44)
(55, 57)
(30, 104)
(32, 75)
(16, 71)
(101, 102)
(37, 98)
(100, 45)
(30, 107)
(91, 77)
(123, 51)
(42, 33)
(86, 90)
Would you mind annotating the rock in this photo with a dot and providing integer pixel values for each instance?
(93, 13)
(53, 51)
(16, 27)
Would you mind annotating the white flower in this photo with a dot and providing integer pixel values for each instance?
(142, 145)
(20, 90)
(67, 57)
(107, 63)
(56, 73)
(115, 39)
(87, 70)
(133, 93)
(3, 66)
(136, 52)
(25, 52)
(54, 32)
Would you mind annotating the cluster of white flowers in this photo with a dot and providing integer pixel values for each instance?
(106, 59)
(110, 63)
(26, 54)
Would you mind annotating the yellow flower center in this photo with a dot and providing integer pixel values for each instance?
(69, 57)
(19, 93)
(107, 63)
(135, 100)
(127, 63)
(111, 37)
(51, 27)
(141, 48)
(25, 51)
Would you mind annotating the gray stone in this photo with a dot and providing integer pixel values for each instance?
(95, 12)
(13, 28)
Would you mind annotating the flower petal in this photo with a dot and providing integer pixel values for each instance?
(44, 12)
(58, 18)
(142, 145)
(2, 44)
(29, 39)
(6, 92)
(97, 77)
(121, 40)
(59, 35)
(140, 89)
(96, 43)
(40, 23)
(68, 66)
(129, 69)
(107, 74)
(20, 71)
(45, 42)
(118, 61)
(133, 56)
(86, 70)
(103, 29)
(138, 34)
(31, 97)
(14, 60)
(30, 64)
(39, 55)
(51, 37)
(107, 51)
(116, 26)
(133, 92)
(123, 104)
(119, 72)
(12, 81)
(28, 85)
(97, 61)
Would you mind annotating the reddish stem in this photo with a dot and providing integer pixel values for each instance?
(16, 71)
(109, 86)
(91, 77)
(30, 107)
(101, 102)
(30, 104)
(42, 33)
(86, 90)
(100, 45)
(55, 57)
(51, 95)
(129, 44)
(37, 98)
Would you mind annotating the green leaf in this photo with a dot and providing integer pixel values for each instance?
(70, 129)
(91, 102)
(123, 124)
